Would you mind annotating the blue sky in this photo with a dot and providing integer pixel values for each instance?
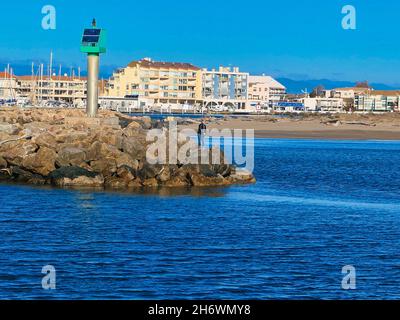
(296, 39)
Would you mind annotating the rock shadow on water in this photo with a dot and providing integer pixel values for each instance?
(88, 192)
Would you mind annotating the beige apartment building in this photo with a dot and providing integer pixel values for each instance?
(157, 82)
(346, 93)
(265, 90)
(8, 86)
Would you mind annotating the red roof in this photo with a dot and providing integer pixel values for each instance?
(163, 65)
(6, 75)
(59, 78)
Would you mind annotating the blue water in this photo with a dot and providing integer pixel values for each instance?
(317, 206)
(163, 116)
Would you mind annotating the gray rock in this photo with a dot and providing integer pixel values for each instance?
(126, 173)
(17, 151)
(3, 163)
(7, 128)
(70, 157)
(126, 160)
(75, 177)
(149, 171)
(224, 170)
(134, 147)
(23, 176)
(207, 170)
(133, 129)
(42, 162)
(45, 139)
(99, 150)
(106, 166)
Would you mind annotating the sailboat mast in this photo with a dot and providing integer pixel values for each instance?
(51, 64)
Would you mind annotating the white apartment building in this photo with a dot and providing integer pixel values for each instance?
(225, 88)
(323, 104)
(377, 101)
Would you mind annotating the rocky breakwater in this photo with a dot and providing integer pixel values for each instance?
(63, 148)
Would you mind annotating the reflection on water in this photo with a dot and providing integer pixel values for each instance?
(174, 192)
(85, 194)
(85, 200)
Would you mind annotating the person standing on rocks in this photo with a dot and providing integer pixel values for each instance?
(201, 133)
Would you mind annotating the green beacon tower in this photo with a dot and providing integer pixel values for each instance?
(93, 43)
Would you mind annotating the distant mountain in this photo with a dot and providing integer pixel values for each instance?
(296, 86)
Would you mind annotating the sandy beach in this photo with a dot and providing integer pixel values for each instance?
(338, 127)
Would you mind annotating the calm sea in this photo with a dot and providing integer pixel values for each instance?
(317, 206)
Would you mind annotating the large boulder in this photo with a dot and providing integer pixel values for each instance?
(241, 176)
(4, 137)
(107, 166)
(42, 162)
(149, 171)
(71, 156)
(72, 136)
(151, 183)
(135, 147)
(133, 129)
(37, 127)
(19, 175)
(177, 182)
(126, 173)
(111, 137)
(45, 139)
(198, 180)
(203, 169)
(207, 170)
(135, 184)
(3, 163)
(24, 119)
(100, 150)
(115, 183)
(94, 152)
(7, 128)
(165, 174)
(144, 122)
(126, 160)
(15, 152)
(224, 170)
(75, 177)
